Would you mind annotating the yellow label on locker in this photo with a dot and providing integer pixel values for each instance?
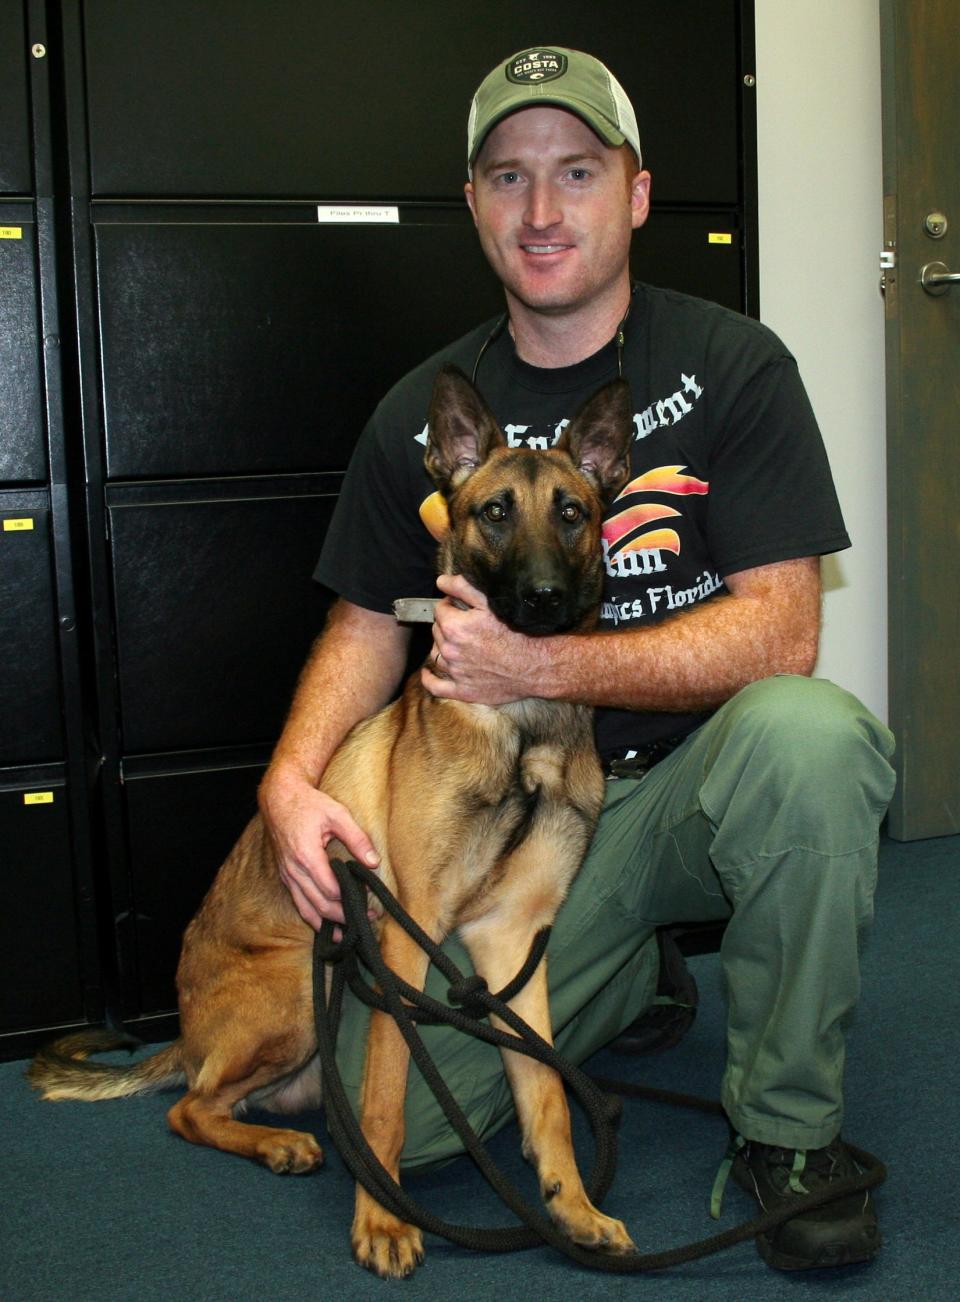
(18, 525)
(38, 797)
(11, 232)
(719, 237)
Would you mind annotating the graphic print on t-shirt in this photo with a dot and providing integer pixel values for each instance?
(641, 548)
(620, 530)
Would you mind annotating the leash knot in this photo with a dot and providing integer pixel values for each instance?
(328, 950)
(463, 994)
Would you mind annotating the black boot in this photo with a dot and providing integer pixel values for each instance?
(672, 1013)
(837, 1234)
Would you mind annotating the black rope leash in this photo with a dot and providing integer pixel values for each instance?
(473, 1002)
(470, 992)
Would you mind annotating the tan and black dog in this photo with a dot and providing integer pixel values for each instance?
(481, 815)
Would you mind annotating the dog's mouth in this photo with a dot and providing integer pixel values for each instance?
(540, 611)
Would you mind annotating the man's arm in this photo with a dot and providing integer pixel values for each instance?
(353, 670)
(768, 623)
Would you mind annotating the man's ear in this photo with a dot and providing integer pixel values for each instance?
(461, 431)
(470, 195)
(639, 199)
(599, 436)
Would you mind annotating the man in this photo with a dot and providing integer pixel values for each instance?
(744, 789)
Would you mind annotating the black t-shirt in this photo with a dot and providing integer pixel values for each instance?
(728, 471)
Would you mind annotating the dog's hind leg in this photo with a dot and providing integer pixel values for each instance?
(245, 1032)
(498, 944)
(205, 1115)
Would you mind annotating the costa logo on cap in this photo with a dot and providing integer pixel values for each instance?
(534, 66)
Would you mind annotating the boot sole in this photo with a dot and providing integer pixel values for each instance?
(830, 1255)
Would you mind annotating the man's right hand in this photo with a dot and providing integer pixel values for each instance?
(302, 822)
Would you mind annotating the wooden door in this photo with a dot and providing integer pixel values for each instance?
(921, 146)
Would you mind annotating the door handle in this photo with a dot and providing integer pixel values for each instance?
(936, 279)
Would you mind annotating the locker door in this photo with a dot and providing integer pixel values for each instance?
(183, 822)
(15, 170)
(22, 454)
(370, 100)
(216, 610)
(39, 955)
(30, 728)
(700, 253)
(263, 347)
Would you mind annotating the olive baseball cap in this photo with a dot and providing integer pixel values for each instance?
(553, 75)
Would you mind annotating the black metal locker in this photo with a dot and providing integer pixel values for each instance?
(215, 611)
(699, 252)
(183, 821)
(30, 724)
(260, 341)
(15, 169)
(22, 453)
(40, 981)
(48, 938)
(229, 347)
(357, 98)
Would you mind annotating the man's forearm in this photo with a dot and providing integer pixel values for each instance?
(353, 670)
(768, 624)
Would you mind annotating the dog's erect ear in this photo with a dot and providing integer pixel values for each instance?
(461, 430)
(599, 436)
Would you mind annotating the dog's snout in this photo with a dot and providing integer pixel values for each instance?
(543, 599)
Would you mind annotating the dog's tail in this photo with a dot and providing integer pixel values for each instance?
(61, 1070)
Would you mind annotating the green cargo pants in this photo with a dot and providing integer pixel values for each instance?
(767, 816)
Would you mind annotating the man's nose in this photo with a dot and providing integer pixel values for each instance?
(543, 209)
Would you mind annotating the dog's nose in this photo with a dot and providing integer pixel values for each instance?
(543, 600)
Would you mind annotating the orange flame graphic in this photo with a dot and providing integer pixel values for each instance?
(663, 479)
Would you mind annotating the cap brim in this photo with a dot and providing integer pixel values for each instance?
(599, 125)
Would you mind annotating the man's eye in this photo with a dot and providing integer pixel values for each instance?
(509, 178)
(495, 512)
(579, 174)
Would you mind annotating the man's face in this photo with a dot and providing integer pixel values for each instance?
(555, 208)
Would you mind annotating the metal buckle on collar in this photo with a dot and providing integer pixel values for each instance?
(637, 763)
(632, 764)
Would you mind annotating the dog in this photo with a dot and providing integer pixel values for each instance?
(481, 815)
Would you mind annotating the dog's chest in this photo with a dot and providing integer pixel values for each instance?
(526, 820)
(537, 759)
(526, 749)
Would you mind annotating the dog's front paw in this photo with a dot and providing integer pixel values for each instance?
(582, 1222)
(382, 1243)
(603, 1233)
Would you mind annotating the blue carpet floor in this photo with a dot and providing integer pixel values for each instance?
(101, 1202)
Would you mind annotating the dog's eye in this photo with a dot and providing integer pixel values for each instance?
(570, 512)
(495, 512)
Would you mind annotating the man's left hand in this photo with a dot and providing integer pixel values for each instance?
(475, 657)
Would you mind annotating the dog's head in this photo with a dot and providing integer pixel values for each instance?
(524, 525)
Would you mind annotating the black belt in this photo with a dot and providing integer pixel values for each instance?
(637, 761)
